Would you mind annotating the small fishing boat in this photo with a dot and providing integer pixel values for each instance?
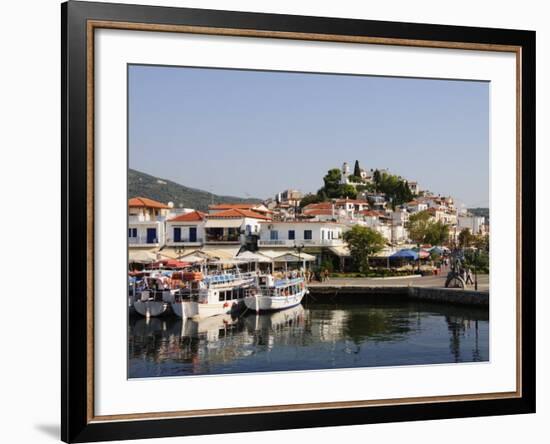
(271, 294)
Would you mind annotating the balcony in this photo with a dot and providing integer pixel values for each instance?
(306, 243)
(142, 241)
(144, 218)
(185, 242)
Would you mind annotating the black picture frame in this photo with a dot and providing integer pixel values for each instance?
(76, 424)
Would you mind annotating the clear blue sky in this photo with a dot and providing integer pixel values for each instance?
(254, 133)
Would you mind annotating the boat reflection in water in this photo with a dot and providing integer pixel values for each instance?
(315, 337)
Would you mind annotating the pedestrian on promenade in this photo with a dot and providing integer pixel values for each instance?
(325, 274)
(469, 278)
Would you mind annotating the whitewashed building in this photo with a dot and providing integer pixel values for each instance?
(296, 233)
(146, 219)
(233, 226)
(186, 230)
(476, 224)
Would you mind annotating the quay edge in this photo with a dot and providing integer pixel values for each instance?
(444, 295)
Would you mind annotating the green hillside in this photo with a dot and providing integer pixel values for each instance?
(162, 190)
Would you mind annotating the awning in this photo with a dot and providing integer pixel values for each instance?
(141, 256)
(288, 256)
(254, 257)
(340, 251)
(175, 253)
(193, 258)
(405, 254)
(220, 251)
(223, 223)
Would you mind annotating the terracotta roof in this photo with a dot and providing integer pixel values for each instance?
(318, 206)
(143, 202)
(318, 212)
(229, 206)
(373, 213)
(236, 212)
(193, 216)
(301, 221)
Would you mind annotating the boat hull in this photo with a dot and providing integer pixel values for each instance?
(151, 308)
(196, 310)
(261, 303)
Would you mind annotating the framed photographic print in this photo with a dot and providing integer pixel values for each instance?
(275, 221)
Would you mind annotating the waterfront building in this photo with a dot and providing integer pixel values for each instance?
(186, 230)
(318, 238)
(233, 226)
(146, 219)
(307, 233)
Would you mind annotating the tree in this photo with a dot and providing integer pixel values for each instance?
(481, 242)
(332, 183)
(417, 225)
(465, 238)
(376, 180)
(357, 169)
(348, 191)
(363, 242)
(423, 230)
(437, 233)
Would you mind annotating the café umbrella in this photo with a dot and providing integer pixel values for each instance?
(405, 254)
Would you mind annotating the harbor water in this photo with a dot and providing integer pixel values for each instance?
(312, 336)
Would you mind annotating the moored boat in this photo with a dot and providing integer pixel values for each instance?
(212, 295)
(272, 294)
(155, 297)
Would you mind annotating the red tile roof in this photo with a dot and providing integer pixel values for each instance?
(238, 213)
(144, 202)
(318, 212)
(193, 216)
(318, 206)
(229, 206)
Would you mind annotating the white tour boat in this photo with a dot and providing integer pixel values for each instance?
(271, 294)
(155, 298)
(212, 295)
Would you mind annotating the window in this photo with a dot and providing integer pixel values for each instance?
(322, 234)
(291, 235)
(132, 232)
(177, 234)
(274, 235)
(307, 235)
(222, 296)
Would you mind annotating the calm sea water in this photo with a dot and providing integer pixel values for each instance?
(309, 337)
